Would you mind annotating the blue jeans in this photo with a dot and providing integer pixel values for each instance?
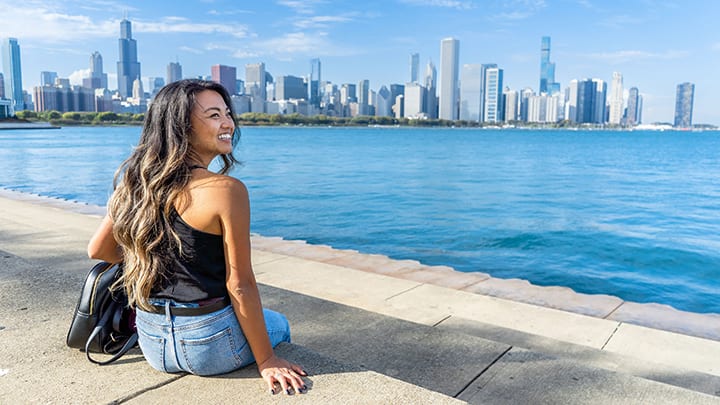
(203, 345)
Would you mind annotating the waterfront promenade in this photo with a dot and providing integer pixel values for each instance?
(366, 328)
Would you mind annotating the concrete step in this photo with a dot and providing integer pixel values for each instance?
(37, 367)
(461, 365)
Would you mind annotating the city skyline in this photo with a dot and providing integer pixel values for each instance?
(589, 40)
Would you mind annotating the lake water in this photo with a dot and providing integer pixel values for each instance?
(630, 214)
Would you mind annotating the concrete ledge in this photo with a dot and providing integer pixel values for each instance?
(520, 291)
(337, 384)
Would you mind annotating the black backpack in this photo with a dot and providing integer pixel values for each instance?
(103, 322)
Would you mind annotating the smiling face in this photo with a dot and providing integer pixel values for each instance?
(212, 127)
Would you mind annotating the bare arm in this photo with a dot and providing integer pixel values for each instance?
(102, 245)
(242, 287)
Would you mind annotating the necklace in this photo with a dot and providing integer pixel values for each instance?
(193, 167)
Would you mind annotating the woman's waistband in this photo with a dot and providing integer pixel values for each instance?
(202, 308)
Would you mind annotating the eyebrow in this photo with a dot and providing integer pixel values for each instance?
(216, 108)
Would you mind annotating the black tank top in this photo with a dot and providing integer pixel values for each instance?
(200, 273)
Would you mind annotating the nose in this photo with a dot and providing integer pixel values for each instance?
(228, 121)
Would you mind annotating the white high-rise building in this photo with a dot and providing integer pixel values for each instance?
(493, 95)
(512, 98)
(616, 99)
(470, 92)
(255, 86)
(414, 97)
(449, 69)
(571, 101)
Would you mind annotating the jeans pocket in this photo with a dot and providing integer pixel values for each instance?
(153, 348)
(215, 354)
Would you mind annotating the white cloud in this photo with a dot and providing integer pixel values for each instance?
(287, 46)
(460, 5)
(42, 22)
(620, 21)
(518, 10)
(301, 6)
(320, 21)
(182, 25)
(77, 76)
(191, 50)
(635, 55)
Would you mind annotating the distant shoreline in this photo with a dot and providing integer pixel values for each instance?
(57, 124)
(26, 125)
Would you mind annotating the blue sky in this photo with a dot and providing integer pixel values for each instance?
(655, 44)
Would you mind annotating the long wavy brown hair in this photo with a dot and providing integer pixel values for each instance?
(151, 181)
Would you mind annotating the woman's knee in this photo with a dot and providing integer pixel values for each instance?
(277, 326)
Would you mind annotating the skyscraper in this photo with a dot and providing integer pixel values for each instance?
(449, 69)
(493, 95)
(414, 67)
(384, 104)
(589, 98)
(431, 101)
(363, 96)
(483, 77)
(413, 101)
(290, 87)
(225, 75)
(470, 92)
(2, 86)
(616, 99)
(174, 72)
(13, 73)
(97, 79)
(128, 67)
(634, 104)
(684, 105)
(255, 86)
(315, 80)
(511, 104)
(547, 69)
(48, 78)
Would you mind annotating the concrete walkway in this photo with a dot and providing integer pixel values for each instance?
(368, 330)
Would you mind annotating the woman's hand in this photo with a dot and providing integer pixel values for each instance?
(277, 370)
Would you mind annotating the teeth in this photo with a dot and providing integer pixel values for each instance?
(225, 136)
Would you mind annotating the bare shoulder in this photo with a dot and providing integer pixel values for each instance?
(219, 191)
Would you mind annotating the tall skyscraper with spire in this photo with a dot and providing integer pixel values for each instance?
(547, 69)
(684, 105)
(449, 72)
(128, 67)
(13, 73)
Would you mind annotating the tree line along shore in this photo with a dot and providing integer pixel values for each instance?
(57, 118)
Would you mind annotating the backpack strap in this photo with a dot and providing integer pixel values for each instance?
(101, 323)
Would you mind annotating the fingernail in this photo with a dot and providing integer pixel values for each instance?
(272, 391)
(287, 391)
